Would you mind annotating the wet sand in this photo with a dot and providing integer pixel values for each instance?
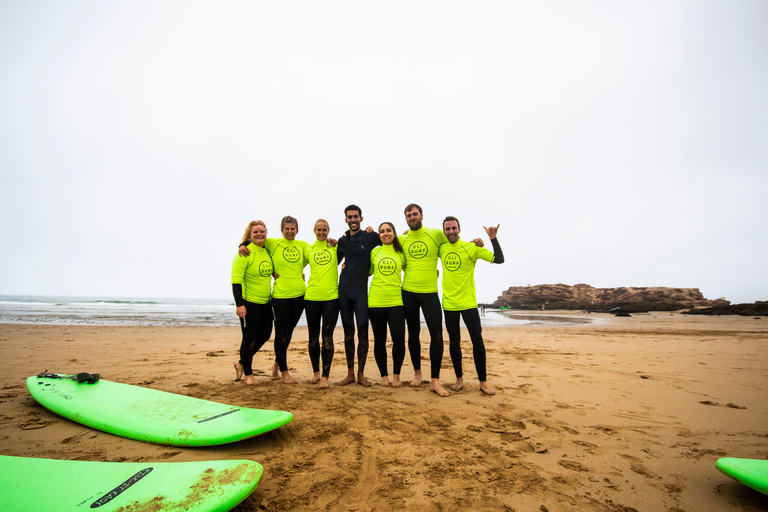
(620, 414)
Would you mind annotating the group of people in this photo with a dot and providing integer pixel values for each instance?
(403, 286)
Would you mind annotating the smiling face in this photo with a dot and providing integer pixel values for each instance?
(258, 235)
(451, 230)
(321, 230)
(290, 230)
(414, 218)
(353, 220)
(387, 234)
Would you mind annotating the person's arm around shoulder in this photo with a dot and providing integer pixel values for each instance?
(498, 256)
(373, 258)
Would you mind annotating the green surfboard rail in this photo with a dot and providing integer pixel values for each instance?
(150, 415)
(32, 484)
(750, 472)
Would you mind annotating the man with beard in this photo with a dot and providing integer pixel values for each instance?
(355, 249)
(421, 246)
(459, 299)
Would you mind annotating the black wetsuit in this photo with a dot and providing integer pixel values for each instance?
(256, 328)
(355, 250)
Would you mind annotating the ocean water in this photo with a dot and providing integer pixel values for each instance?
(144, 311)
(61, 310)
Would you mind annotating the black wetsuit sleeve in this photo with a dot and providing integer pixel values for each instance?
(341, 248)
(237, 291)
(242, 244)
(498, 256)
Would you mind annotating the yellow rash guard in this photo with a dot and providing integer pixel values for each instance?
(254, 274)
(324, 266)
(458, 261)
(289, 261)
(386, 268)
(421, 252)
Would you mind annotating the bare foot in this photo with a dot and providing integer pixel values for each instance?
(238, 371)
(416, 382)
(384, 382)
(275, 372)
(437, 388)
(324, 383)
(362, 380)
(349, 379)
(251, 380)
(396, 381)
(287, 379)
(485, 388)
(458, 385)
(315, 379)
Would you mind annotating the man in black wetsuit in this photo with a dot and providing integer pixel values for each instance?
(355, 249)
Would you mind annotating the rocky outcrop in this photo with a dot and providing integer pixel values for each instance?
(586, 297)
(759, 308)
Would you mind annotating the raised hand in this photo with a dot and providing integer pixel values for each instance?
(492, 231)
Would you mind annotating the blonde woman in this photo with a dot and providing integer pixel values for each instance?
(321, 302)
(251, 287)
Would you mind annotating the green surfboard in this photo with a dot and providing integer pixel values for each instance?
(150, 415)
(751, 472)
(30, 484)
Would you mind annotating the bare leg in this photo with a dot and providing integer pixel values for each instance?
(384, 382)
(485, 388)
(362, 380)
(323, 383)
(275, 372)
(458, 385)
(287, 379)
(349, 379)
(396, 381)
(251, 380)
(416, 382)
(437, 388)
(239, 371)
(315, 379)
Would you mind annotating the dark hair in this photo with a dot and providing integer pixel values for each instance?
(289, 220)
(353, 207)
(412, 206)
(451, 217)
(395, 243)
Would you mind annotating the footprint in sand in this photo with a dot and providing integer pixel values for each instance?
(715, 404)
(642, 470)
(79, 437)
(573, 465)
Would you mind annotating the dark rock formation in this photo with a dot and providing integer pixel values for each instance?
(586, 297)
(759, 308)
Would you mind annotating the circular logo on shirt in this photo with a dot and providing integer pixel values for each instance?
(387, 266)
(291, 254)
(417, 250)
(452, 262)
(265, 269)
(323, 257)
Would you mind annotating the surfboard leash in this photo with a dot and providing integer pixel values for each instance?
(87, 378)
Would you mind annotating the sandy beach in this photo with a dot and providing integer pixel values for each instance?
(608, 414)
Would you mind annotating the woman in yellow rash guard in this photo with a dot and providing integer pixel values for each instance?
(385, 303)
(288, 292)
(321, 301)
(251, 287)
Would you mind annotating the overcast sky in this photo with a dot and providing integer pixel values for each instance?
(617, 143)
